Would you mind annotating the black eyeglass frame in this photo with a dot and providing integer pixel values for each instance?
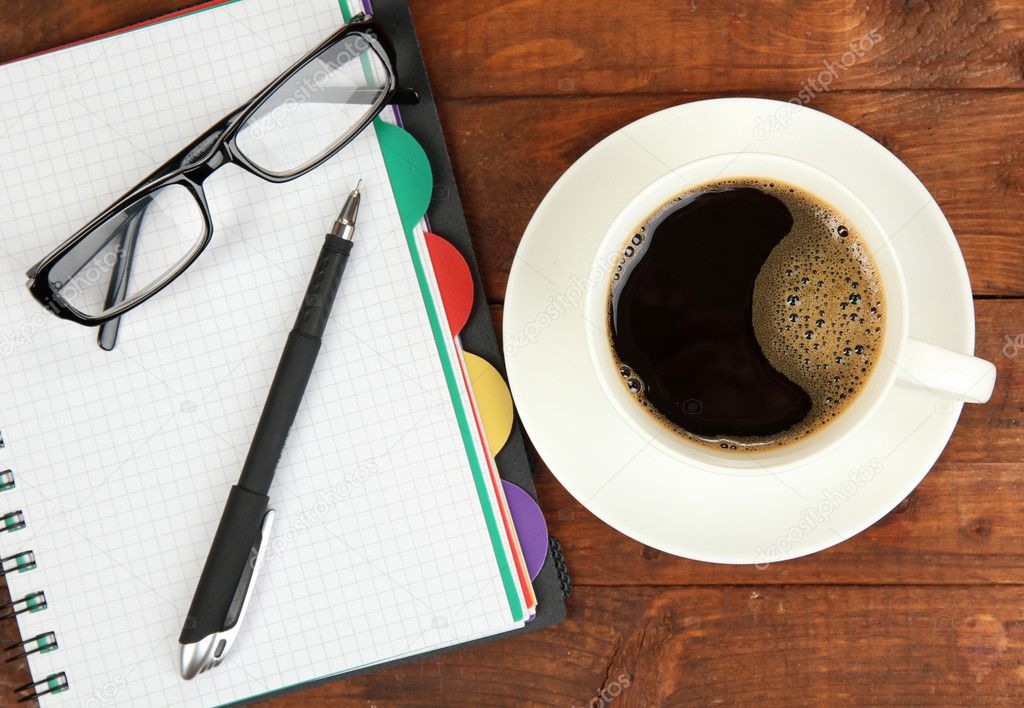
(209, 152)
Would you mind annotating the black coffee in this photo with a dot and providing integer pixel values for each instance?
(745, 314)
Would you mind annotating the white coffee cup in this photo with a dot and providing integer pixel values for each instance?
(903, 360)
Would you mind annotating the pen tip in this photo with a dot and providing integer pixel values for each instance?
(346, 221)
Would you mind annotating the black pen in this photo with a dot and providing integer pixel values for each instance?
(226, 584)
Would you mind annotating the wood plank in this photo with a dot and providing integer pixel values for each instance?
(535, 47)
(967, 148)
(745, 645)
(994, 432)
(961, 525)
(29, 26)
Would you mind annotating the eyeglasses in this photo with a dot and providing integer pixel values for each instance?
(152, 234)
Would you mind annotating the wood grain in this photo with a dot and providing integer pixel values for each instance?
(967, 147)
(534, 47)
(961, 526)
(732, 645)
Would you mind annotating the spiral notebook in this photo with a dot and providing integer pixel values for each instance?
(114, 466)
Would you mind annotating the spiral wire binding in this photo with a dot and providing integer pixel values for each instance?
(54, 683)
(19, 562)
(41, 643)
(564, 580)
(33, 602)
(14, 521)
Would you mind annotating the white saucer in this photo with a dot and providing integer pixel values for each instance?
(618, 475)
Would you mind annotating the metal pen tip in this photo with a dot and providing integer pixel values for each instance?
(345, 225)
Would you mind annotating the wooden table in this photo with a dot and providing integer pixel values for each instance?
(927, 606)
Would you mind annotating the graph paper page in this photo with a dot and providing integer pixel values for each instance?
(123, 459)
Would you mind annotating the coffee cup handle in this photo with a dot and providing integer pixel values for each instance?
(947, 373)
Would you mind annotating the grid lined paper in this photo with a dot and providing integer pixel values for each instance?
(123, 460)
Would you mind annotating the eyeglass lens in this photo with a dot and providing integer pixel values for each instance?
(130, 253)
(318, 108)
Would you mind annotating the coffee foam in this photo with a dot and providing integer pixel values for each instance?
(818, 309)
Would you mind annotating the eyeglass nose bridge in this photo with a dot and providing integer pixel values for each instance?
(208, 164)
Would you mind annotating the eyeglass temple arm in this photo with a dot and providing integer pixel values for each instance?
(362, 96)
(347, 96)
(127, 239)
(406, 97)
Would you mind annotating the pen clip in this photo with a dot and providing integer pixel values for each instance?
(208, 652)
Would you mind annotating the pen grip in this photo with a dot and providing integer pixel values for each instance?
(295, 367)
(236, 534)
(293, 371)
(323, 287)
